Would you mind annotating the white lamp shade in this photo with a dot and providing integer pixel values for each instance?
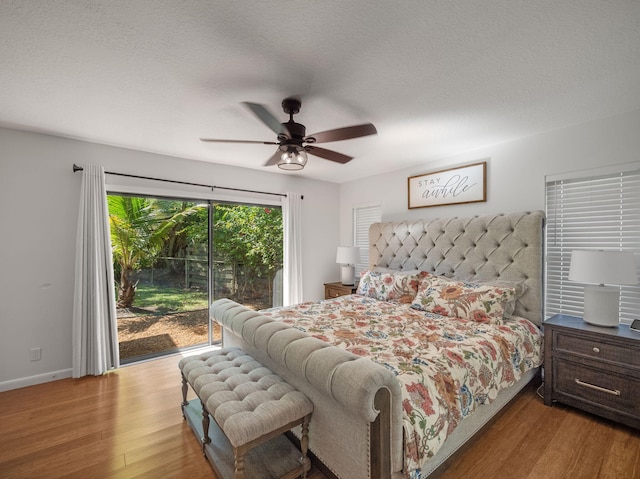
(603, 267)
(348, 255)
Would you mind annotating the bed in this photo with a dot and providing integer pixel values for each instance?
(442, 333)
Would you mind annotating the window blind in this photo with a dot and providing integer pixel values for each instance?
(363, 217)
(592, 212)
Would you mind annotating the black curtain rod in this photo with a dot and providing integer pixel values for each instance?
(79, 168)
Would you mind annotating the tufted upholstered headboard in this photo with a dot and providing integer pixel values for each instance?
(505, 247)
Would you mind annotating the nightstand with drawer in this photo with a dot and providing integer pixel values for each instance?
(593, 368)
(333, 290)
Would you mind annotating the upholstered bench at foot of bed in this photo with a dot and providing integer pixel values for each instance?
(248, 402)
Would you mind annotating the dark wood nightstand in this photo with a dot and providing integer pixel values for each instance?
(333, 290)
(593, 368)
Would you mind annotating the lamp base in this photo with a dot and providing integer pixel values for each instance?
(601, 305)
(347, 275)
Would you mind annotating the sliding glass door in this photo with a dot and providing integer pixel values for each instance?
(173, 257)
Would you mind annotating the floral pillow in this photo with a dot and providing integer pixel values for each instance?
(484, 303)
(398, 287)
(519, 288)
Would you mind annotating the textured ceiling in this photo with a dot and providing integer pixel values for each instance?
(436, 77)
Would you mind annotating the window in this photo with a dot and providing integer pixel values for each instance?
(596, 210)
(363, 217)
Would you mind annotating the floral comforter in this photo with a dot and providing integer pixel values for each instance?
(446, 366)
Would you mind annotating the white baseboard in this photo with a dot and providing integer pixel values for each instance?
(33, 380)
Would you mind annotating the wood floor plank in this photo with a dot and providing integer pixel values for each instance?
(128, 424)
(623, 456)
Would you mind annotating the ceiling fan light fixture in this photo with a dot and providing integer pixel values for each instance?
(293, 142)
(293, 159)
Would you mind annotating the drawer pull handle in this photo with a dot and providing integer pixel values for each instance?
(613, 392)
(596, 349)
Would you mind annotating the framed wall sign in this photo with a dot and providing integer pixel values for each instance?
(464, 184)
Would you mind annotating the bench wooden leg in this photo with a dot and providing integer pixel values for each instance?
(304, 444)
(205, 427)
(238, 455)
(185, 388)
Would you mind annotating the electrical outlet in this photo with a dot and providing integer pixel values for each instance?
(35, 354)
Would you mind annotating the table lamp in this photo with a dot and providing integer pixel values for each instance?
(601, 303)
(348, 256)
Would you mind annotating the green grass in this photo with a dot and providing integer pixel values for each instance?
(169, 300)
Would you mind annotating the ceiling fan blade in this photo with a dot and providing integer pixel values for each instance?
(328, 154)
(268, 119)
(238, 141)
(274, 159)
(345, 133)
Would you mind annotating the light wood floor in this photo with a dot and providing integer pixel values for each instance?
(533, 441)
(128, 424)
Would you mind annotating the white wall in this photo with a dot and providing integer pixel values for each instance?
(515, 171)
(39, 197)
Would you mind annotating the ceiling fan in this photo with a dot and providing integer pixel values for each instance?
(293, 144)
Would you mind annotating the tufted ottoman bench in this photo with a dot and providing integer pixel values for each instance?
(248, 402)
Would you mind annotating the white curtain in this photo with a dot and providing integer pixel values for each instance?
(95, 334)
(292, 278)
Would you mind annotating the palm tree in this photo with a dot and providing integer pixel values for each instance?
(139, 228)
